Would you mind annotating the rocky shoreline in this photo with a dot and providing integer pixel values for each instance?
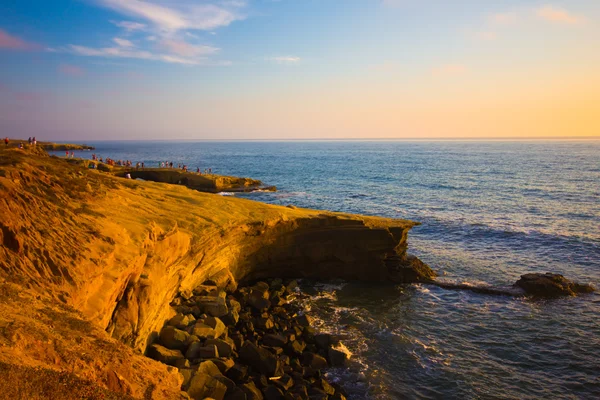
(251, 343)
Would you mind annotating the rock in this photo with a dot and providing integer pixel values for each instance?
(257, 300)
(304, 320)
(204, 386)
(224, 364)
(231, 318)
(236, 394)
(274, 340)
(223, 347)
(198, 351)
(309, 334)
(284, 383)
(217, 325)
(317, 394)
(409, 269)
(264, 323)
(186, 294)
(204, 331)
(182, 363)
(206, 290)
(237, 373)
(234, 305)
(271, 392)
(292, 286)
(295, 348)
(213, 306)
(209, 368)
(261, 359)
(314, 361)
(252, 392)
(187, 377)
(337, 358)
(325, 386)
(323, 341)
(551, 285)
(164, 355)
(181, 321)
(337, 396)
(173, 338)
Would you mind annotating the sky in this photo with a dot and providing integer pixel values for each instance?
(299, 69)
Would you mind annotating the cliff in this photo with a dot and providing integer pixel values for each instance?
(84, 252)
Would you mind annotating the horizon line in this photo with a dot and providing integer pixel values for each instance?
(499, 138)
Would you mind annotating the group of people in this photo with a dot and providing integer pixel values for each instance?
(32, 141)
(184, 168)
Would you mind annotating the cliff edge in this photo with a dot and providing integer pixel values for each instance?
(89, 263)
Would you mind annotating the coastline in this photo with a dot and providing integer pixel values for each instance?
(122, 249)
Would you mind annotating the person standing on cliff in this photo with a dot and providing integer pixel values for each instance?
(6, 141)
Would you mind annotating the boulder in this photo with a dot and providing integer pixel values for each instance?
(213, 306)
(337, 358)
(217, 325)
(325, 386)
(223, 347)
(231, 318)
(164, 355)
(198, 351)
(274, 340)
(258, 301)
(224, 364)
(238, 372)
(551, 285)
(209, 368)
(284, 383)
(187, 377)
(181, 321)
(314, 361)
(173, 338)
(295, 347)
(271, 392)
(261, 359)
(304, 320)
(252, 392)
(204, 386)
(236, 394)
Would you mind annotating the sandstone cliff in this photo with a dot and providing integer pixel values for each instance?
(79, 245)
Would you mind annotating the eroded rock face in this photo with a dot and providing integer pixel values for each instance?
(551, 285)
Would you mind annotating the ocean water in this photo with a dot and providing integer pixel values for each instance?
(490, 211)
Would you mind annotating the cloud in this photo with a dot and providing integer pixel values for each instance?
(14, 43)
(449, 70)
(71, 70)
(180, 16)
(130, 26)
(185, 49)
(285, 59)
(124, 52)
(558, 15)
(123, 42)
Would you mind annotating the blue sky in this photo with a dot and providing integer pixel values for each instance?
(193, 69)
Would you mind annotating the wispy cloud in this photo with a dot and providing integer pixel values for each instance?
(124, 52)
(71, 70)
(10, 42)
(179, 16)
(123, 42)
(185, 49)
(130, 26)
(558, 15)
(289, 60)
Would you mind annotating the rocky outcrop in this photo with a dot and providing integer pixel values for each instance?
(551, 285)
(116, 252)
(203, 183)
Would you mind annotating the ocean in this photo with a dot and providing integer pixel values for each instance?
(490, 211)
